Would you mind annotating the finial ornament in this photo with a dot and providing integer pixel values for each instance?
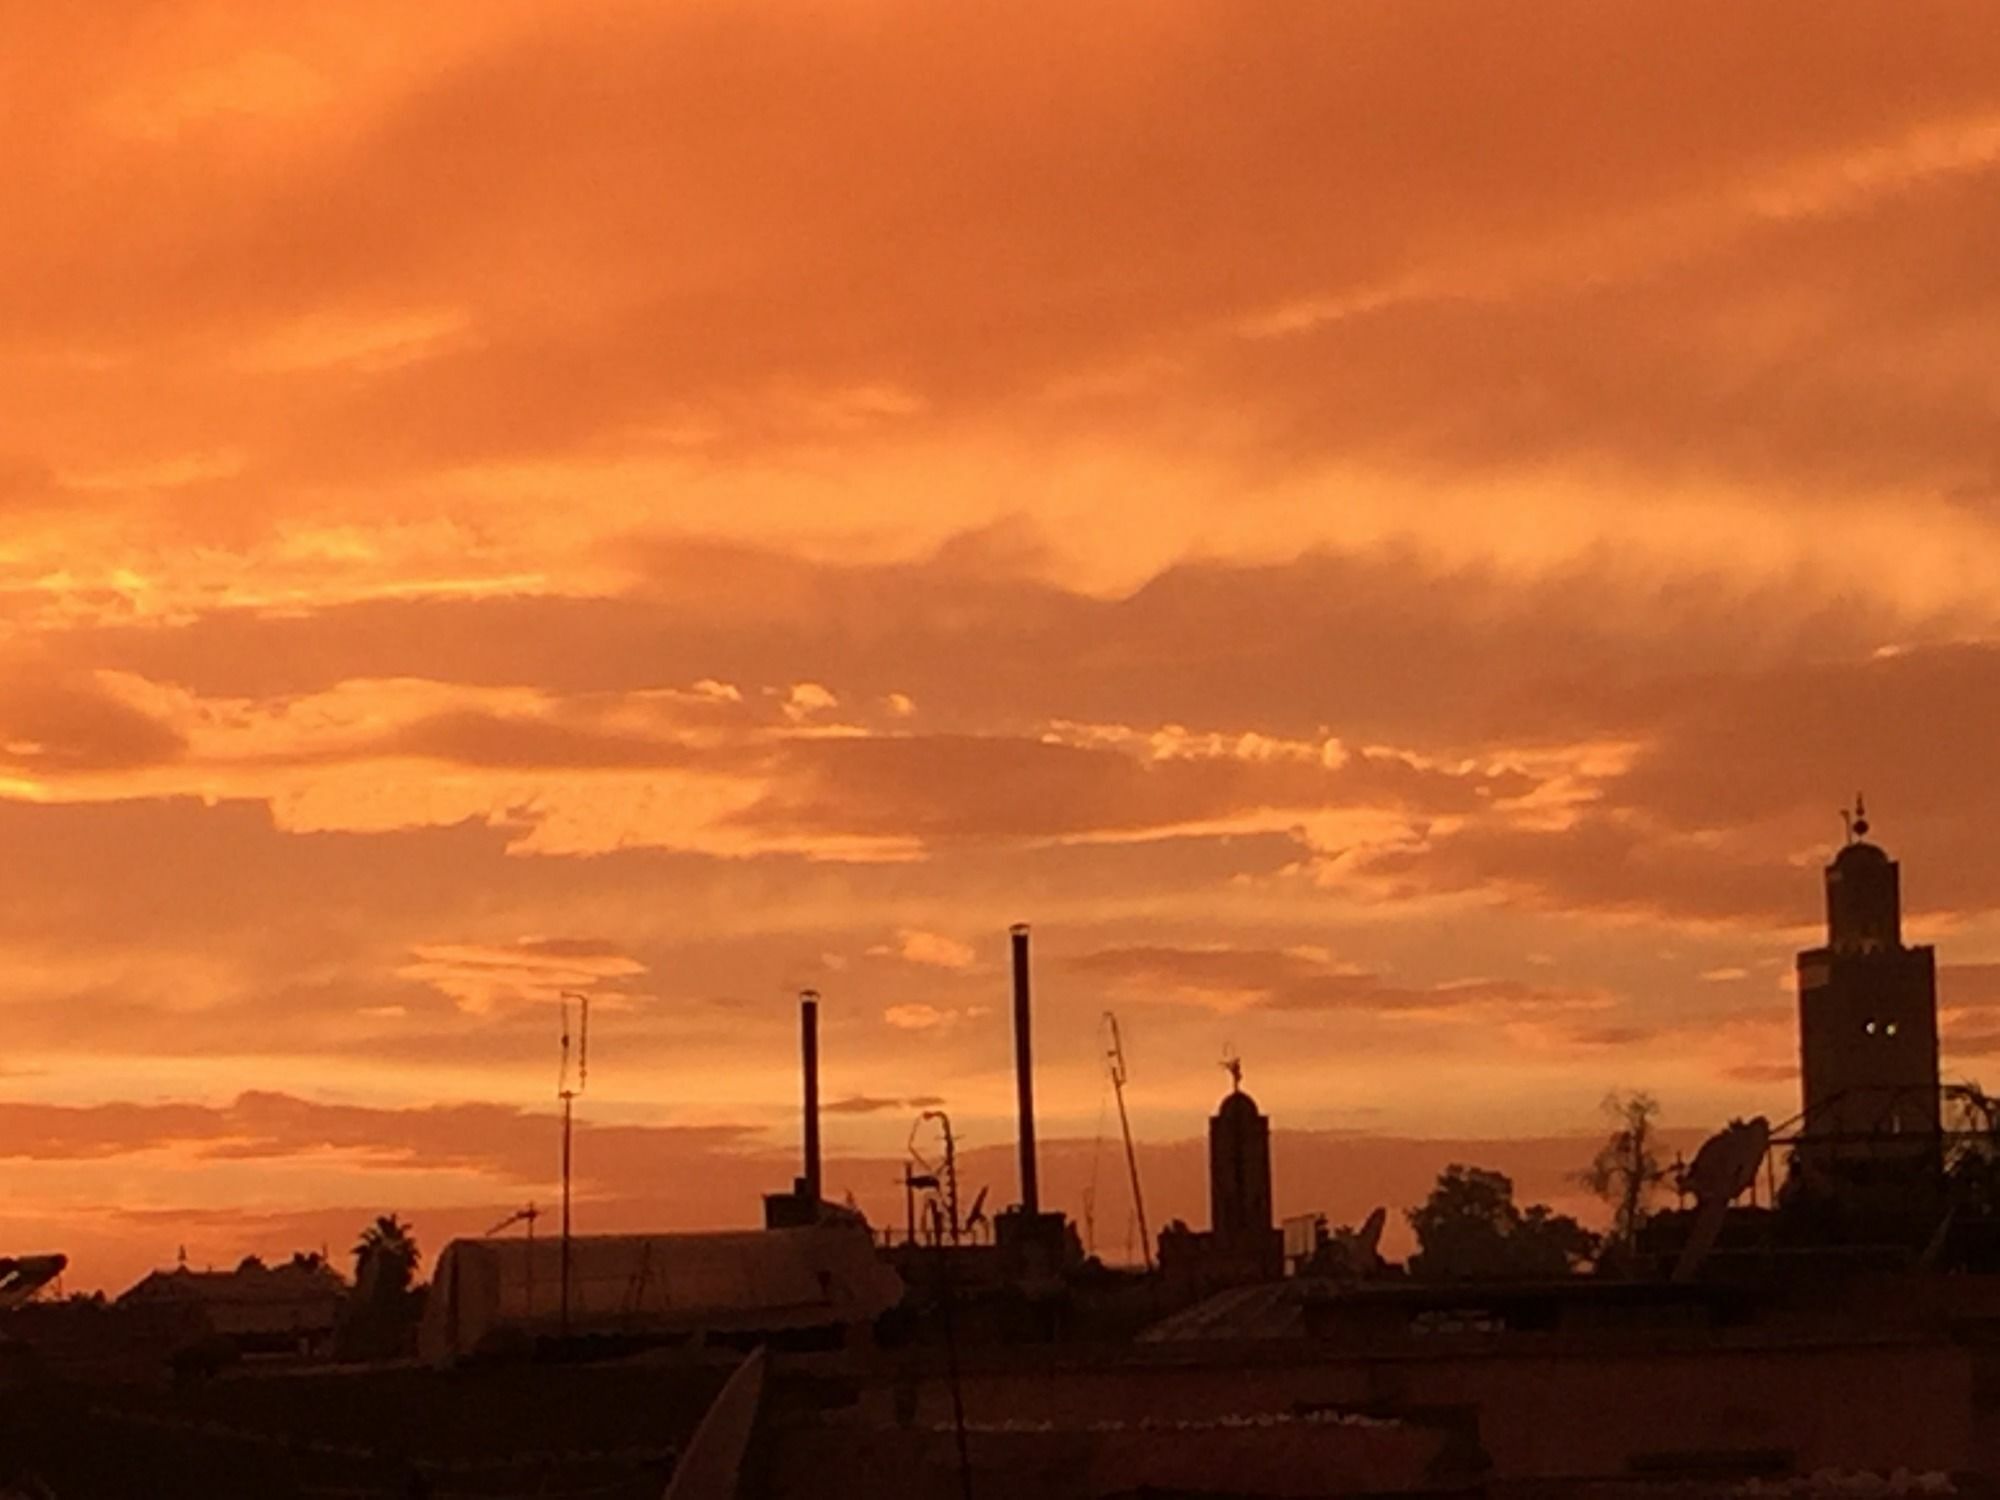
(1860, 816)
(1233, 1065)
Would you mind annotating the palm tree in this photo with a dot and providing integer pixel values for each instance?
(390, 1246)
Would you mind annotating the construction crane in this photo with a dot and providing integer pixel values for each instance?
(1114, 1058)
(567, 1093)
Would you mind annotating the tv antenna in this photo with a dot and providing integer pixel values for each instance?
(567, 1093)
(913, 1182)
(526, 1216)
(941, 1208)
(1114, 1060)
(946, 1176)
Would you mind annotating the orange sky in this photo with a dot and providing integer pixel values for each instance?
(1385, 531)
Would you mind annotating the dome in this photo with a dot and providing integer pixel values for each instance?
(1861, 856)
(1236, 1103)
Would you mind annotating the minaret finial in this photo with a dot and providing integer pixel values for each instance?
(1233, 1065)
(1860, 816)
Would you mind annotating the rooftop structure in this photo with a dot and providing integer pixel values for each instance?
(255, 1306)
(662, 1286)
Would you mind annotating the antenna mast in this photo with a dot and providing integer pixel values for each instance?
(948, 1177)
(1114, 1057)
(568, 1096)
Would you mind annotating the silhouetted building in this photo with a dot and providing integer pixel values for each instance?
(1868, 1030)
(257, 1308)
(1242, 1244)
(490, 1294)
(1239, 1167)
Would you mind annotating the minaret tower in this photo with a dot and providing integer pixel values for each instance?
(1239, 1165)
(1868, 1028)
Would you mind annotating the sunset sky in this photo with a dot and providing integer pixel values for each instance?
(1386, 531)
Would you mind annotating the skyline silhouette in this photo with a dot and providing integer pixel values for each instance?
(1392, 566)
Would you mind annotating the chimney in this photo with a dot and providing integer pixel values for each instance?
(1024, 1071)
(809, 1185)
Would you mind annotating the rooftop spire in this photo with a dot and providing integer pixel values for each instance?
(1856, 819)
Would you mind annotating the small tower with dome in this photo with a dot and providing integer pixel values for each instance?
(1242, 1245)
(1239, 1164)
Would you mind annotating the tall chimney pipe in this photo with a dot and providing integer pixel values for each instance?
(1024, 1070)
(809, 1059)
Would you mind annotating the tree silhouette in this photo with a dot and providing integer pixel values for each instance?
(1470, 1229)
(386, 1256)
(380, 1316)
(1626, 1170)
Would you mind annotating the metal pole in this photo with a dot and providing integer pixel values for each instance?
(568, 1096)
(1117, 1060)
(809, 1061)
(567, 1100)
(946, 1296)
(1024, 1071)
(950, 1176)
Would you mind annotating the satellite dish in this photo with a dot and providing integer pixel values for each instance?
(1726, 1165)
(1370, 1237)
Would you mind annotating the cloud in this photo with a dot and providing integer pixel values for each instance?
(478, 978)
(1968, 986)
(1959, 1043)
(1724, 812)
(1288, 648)
(705, 308)
(257, 1125)
(1234, 978)
(939, 787)
(931, 949)
(469, 738)
(806, 699)
(70, 723)
(863, 1104)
